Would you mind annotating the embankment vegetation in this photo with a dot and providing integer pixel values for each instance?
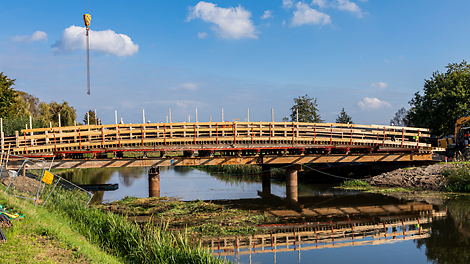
(93, 235)
(457, 178)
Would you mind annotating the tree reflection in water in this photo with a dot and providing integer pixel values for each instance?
(450, 237)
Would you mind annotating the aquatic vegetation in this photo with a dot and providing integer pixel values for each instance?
(355, 183)
(197, 217)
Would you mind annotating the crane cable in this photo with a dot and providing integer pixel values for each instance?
(87, 20)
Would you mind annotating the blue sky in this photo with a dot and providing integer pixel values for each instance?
(366, 56)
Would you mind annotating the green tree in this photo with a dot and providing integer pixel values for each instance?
(92, 118)
(344, 118)
(30, 104)
(50, 113)
(400, 118)
(307, 108)
(446, 98)
(8, 97)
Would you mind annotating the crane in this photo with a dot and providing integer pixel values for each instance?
(87, 19)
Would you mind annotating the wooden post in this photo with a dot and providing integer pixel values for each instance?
(17, 136)
(31, 124)
(87, 118)
(222, 115)
(170, 115)
(2, 134)
(189, 118)
(59, 121)
(297, 114)
(96, 118)
(143, 116)
(115, 116)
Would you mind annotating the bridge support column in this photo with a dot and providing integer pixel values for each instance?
(266, 179)
(154, 182)
(292, 191)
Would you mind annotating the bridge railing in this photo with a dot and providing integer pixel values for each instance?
(215, 133)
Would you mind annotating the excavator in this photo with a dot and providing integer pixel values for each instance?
(459, 142)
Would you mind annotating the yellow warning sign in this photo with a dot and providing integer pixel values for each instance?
(48, 177)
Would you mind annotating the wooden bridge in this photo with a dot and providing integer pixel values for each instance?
(225, 138)
(286, 144)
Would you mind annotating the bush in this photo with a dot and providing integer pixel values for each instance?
(457, 178)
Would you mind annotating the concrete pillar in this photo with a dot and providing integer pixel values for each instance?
(154, 182)
(292, 191)
(266, 179)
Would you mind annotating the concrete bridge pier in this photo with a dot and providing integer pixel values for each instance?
(154, 182)
(266, 179)
(292, 191)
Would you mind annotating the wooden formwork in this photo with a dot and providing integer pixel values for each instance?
(215, 134)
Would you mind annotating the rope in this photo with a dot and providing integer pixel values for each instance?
(336, 176)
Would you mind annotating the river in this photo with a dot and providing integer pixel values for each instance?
(420, 233)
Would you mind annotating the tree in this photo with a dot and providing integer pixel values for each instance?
(400, 118)
(50, 113)
(446, 98)
(8, 97)
(92, 118)
(344, 118)
(307, 108)
(30, 104)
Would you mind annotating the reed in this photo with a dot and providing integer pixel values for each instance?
(128, 240)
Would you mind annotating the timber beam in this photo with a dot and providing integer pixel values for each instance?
(229, 160)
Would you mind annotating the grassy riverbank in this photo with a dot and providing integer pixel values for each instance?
(89, 235)
(45, 237)
(453, 181)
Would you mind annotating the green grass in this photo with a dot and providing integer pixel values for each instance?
(354, 183)
(126, 239)
(45, 237)
(457, 178)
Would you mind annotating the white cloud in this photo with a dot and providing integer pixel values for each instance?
(372, 103)
(320, 3)
(37, 36)
(380, 85)
(287, 4)
(306, 15)
(401, 57)
(185, 86)
(348, 6)
(267, 14)
(109, 42)
(231, 23)
(201, 35)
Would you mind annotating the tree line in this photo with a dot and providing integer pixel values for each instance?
(16, 108)
(445, 98)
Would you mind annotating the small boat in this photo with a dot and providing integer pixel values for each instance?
(100, 187)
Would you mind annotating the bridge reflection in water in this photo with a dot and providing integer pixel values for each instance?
(353, 226)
